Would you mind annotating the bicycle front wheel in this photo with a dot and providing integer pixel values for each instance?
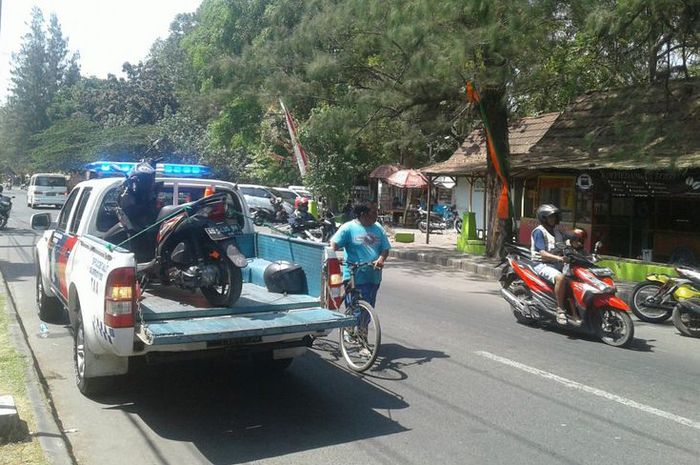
(360, 343)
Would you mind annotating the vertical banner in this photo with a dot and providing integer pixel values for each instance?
(505, 208)
(298, 150)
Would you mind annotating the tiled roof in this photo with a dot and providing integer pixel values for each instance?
(470, 157)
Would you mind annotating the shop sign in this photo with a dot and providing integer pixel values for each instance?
(584, 182)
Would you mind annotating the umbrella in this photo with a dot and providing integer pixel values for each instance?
(408, 179)
(384, 171)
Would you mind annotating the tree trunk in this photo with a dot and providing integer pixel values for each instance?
(493, 99)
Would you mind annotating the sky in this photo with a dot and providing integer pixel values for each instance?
(105, 32)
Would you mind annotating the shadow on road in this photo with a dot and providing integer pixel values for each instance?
(237, 414)
(17, 271)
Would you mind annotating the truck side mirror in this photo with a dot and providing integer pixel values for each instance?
(597, 247)
(41, 221)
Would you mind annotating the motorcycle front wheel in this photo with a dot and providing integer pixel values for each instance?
(423, 226)
(458, 226)
(229, 290)
(687, 322)
(258, 219)
(640, 307)
(615, 327)
(3, 221)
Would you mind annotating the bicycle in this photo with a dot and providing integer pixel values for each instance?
(360, 343)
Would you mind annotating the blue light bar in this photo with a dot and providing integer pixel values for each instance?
(163, 169)
(181, 170)
(110, 167)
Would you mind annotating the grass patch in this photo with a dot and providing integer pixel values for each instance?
(13, 382)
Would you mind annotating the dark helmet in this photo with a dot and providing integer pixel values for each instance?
(545, 211)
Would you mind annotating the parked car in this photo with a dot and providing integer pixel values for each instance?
(301, 191)
(47, 189)
(287, 195)
(258, 197)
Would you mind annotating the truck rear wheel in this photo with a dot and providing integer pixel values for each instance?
(50, 308)
(83, 357)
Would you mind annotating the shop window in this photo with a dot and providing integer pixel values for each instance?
(559, 191)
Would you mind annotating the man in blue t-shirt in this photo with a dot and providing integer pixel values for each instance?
(364, 240)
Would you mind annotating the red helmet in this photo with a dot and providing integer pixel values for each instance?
(301, 201)
(579, 235)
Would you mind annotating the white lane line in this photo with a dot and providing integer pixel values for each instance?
(591, 390)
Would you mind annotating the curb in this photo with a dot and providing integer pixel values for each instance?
(624, 289)
(51, 437)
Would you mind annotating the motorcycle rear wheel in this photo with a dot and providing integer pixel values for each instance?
(615, 327)
(422, 226)
(226, 294)
(3, 221)
(681, 320)
(258, 219)
(643, 291)
(522, 292)
(458, 226)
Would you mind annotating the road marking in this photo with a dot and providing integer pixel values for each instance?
(591, 390)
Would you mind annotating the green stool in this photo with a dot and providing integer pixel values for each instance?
(405, 237)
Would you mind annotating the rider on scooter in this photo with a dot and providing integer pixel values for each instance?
(301, 215)
(543, 242)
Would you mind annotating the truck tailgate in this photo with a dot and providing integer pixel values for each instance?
(251, 325)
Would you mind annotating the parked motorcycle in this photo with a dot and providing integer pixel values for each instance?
(5, 207)
(449, 220)
(316, 231)
(654, 299)
(192, 247)
(590, 290)
(277, 214)
(686, 314)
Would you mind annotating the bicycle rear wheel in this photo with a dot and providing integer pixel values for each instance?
(359, 344)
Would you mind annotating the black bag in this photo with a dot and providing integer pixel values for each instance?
(285, 277)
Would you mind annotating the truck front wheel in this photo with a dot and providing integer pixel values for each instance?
(50, 308)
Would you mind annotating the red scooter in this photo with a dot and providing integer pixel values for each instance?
(590, 292)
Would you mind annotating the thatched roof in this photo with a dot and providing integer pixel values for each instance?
(648, 127)
(470, 157)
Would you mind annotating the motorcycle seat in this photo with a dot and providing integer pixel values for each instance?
(690, 274)
(167, 210)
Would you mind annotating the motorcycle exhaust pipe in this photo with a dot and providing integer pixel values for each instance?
(512, 299)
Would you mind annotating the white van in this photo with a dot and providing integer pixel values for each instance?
(47, 189)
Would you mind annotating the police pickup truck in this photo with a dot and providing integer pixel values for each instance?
(113, 320)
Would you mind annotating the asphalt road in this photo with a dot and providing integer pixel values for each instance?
(458, 381)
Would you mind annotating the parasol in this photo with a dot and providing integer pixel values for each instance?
(408, 179)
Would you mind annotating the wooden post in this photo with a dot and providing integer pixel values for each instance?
(427, 220)
(471, 192)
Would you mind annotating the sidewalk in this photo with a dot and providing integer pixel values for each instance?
(443, 251)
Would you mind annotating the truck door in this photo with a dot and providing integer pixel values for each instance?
(60, 246)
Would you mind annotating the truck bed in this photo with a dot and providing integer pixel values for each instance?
(171, 302)
(174, 316)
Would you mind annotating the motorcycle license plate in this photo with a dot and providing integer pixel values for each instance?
(220, 232)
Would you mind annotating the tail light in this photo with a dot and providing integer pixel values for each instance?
(335, 282)
(120, 298)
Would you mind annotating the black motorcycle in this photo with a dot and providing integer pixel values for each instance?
(190, 245)
(5, 207)
(278, 213)
(316, 231)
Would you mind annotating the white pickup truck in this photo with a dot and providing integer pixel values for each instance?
(94, 281)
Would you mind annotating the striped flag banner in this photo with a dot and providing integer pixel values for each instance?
(299, 153)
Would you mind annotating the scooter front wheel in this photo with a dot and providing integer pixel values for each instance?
(229, 289)
(686, 322)
(639, 303)
(615, 327)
